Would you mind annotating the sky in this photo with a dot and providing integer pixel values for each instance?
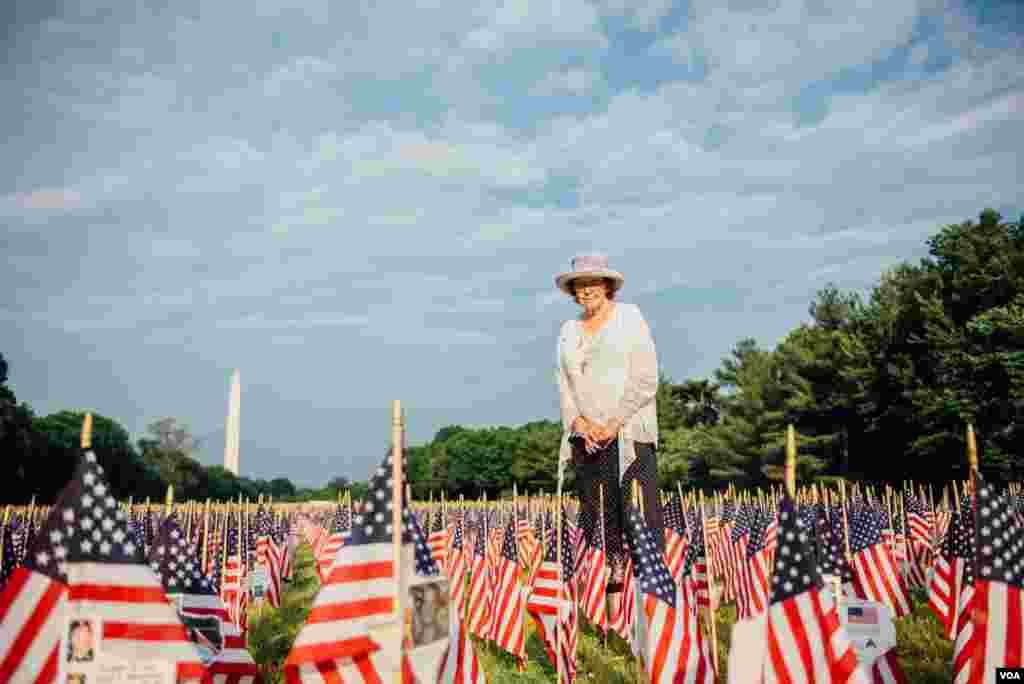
(356, 202)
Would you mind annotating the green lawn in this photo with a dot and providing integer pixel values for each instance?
(925, 654)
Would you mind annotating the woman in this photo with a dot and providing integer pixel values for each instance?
(81, 645)
(608, 378)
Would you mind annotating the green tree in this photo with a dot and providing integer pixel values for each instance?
(221, 483)
(281, 488)
(19, 444)
(61, 435)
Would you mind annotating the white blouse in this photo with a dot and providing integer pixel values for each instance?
(612, 374)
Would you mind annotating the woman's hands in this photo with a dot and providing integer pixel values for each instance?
(606, 433)
(585, 427)
(595, 435)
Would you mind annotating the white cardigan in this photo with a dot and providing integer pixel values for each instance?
(615, 376)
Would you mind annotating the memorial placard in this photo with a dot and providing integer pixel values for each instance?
(870, 627)
(83, 659)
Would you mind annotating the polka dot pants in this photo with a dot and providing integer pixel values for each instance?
(598, 474)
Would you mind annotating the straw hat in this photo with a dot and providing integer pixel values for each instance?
(588, 266)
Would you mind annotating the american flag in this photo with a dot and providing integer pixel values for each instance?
(675, 536)
(82, 560)
(438, 539)
(457, 568)
(554, 581)
(328, 545)
(359, 592)
(736, 553)
(953, 566)
(673, 648)
(832, 559)
(805, 641)
(175, 560)
(997, 610)
(595, 585)
(695, 571)
(919, 541)
(460, 664)
(232, 588)
(508, 614)
(757, 569)
(9, 554)
(876, 575)
(480, 596)
(524, 535)
(267, 556)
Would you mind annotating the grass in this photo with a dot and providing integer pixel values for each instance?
(924, 652)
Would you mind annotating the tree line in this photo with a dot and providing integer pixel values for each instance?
(878, 390)
(40, 454)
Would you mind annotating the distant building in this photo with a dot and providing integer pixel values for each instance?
(231, 428)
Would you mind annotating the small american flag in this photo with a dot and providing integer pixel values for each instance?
(673, 647)
(509, 610)
(267, 556)
(862, 615)
(998, 639)
(359, 592)
(480, 593)
(675, 536)
(83, 560)
(438, 539)
(805, 642)
(953, 572)
(876, 575)
(175, 560)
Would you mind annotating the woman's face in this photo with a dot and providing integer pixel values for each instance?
(591, 293)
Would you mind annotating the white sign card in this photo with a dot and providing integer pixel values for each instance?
(83, 660)
(258, 580)
(426, 617)
(749, 649)
(870, 627)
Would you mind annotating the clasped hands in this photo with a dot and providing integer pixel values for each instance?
(595, 435)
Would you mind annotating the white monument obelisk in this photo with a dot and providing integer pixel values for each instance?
(231, 428)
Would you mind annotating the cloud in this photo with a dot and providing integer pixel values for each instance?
(528, 23)
(48, 199)
(353, 192)
(309, 321)
(570, 81)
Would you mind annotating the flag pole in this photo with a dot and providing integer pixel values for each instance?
(396, 523)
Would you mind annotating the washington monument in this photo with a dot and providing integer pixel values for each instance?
(231, 433)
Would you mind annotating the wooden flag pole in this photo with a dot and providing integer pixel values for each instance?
(87, 431)
(712, 627)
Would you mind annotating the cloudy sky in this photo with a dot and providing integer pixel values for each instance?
(354, 202)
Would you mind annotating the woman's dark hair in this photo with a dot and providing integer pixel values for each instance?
(610, 288)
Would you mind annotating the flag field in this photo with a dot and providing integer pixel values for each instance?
(925, 654)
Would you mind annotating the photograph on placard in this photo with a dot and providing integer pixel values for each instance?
(429, 612)
(81, 640)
